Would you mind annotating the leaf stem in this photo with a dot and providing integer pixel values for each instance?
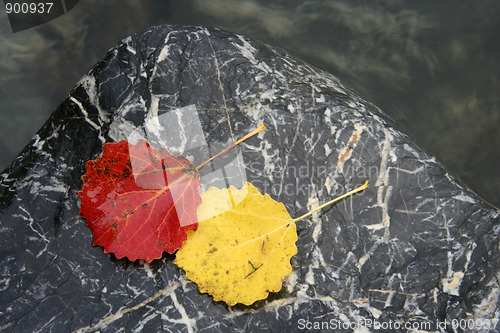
(252, 133)
(357, 189)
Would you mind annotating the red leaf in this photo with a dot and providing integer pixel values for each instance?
(139, 201)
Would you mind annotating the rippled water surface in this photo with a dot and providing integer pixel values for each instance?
(431, 65)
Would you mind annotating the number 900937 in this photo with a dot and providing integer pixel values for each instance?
(28, 8)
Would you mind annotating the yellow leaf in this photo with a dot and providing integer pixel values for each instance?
(243, 245)
(239, 254)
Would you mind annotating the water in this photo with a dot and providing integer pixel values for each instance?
(431, 65)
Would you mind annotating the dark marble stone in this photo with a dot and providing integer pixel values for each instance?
(416, 246)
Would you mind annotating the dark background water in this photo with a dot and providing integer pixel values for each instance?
(433, 66)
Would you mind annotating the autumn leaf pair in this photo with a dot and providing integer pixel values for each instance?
(140, 201)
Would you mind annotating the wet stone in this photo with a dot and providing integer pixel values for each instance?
(416, 246)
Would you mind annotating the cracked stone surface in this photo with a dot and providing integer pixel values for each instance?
(416, 246)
